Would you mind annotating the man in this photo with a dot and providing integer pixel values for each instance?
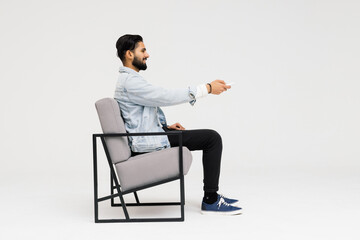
(140, 103)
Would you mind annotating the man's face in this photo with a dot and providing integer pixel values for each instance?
(140, 56)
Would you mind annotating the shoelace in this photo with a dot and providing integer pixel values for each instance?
(222, 196)
(222, 202)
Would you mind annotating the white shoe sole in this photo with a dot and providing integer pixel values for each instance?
(219, 213)
(235, 204)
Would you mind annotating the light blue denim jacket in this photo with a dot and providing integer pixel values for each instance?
(140, 103)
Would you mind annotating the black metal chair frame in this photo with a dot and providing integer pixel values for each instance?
(114, 183)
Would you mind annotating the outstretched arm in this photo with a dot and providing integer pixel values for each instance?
(217, 87)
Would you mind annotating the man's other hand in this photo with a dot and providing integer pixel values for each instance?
(218, 87)
(176, 126)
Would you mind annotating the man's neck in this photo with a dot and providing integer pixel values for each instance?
(132, 67)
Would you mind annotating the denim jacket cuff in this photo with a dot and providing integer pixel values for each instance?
(192, 94)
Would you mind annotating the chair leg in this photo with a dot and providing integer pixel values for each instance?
(112, 186)
(112, 189)
(96, 205)
(123, 204)
(182, 197)
(115, 184)
(136, 198)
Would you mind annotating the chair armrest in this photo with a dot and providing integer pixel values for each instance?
(178, 132)
(136, 134)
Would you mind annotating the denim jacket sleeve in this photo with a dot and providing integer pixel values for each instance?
(139, 91)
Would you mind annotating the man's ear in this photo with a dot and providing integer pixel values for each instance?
(129, 54)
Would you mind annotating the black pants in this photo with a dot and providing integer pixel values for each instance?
(209, 141)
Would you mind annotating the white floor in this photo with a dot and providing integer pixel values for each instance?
(279, 203)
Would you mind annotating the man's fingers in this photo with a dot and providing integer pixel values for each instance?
(178, 126)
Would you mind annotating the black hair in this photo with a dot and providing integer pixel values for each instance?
(127, 42)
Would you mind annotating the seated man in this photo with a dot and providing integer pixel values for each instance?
(140, 104)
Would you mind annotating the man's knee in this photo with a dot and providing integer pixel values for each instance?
(215, 137)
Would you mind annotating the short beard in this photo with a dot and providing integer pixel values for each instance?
(138, 64)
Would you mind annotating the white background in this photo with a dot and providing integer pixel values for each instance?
(290, 124)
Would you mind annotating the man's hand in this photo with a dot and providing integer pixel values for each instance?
(176, 126)
(217, 87)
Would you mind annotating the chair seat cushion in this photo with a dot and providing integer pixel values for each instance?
(152, 167)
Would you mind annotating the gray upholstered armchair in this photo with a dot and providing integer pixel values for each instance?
(130, 174)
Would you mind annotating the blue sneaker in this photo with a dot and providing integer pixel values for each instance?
(229, 200)
(220, 207)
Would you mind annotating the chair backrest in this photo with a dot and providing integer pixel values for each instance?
(112, 122)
